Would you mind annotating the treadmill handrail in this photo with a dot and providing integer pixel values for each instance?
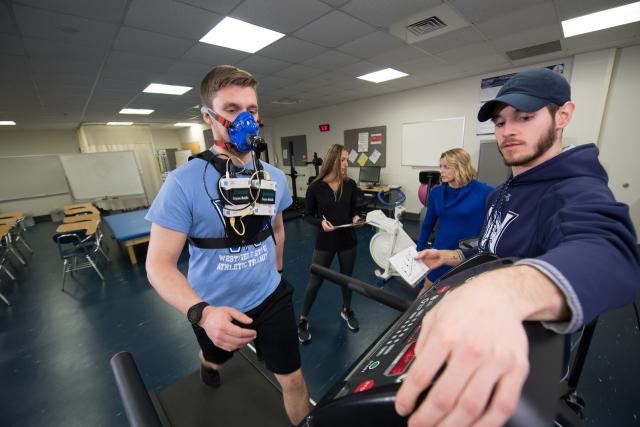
(362, 288)
(133, 393)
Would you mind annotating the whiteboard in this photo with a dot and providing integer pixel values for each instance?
(424, 142)
(25, 177)
(99, 175)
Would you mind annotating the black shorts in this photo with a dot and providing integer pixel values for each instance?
(277, 337)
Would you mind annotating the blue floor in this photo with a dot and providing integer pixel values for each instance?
(55, 346)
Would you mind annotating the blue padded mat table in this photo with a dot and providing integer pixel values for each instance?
(130, 229)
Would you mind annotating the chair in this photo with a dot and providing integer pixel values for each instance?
(78, 251)
(4, 249)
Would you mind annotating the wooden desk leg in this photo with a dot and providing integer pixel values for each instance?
(132, 255)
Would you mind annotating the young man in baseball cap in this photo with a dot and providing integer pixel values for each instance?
(578, 258)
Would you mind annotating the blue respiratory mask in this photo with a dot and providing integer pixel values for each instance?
(243, 131)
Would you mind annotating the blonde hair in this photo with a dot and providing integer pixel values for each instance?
(460, 161)
(221, 77)
(331, 165)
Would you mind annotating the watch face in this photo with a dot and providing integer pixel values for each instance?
(195, 312)
(192, 315)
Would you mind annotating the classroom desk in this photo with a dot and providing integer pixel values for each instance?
(130, 229)
(79, 205)
(11, 222)
(15, 214)
(89, 227)
(371, 192)
(376, 188)
(4, 231)
(80, 210)
(80, 218)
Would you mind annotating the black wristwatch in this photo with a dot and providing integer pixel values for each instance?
(194, 314)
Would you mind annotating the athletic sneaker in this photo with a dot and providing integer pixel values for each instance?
(350, 319)
(303, 331)
(209, 376)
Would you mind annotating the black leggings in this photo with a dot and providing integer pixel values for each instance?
(347, 260)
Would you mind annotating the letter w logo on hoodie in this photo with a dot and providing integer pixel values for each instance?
(495, 230)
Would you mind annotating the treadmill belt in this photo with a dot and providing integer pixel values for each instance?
(245, 398)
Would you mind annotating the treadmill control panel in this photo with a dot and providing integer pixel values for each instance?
(390, 359)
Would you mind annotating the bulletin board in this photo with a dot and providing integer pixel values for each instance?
(366, 146)
(424, 142)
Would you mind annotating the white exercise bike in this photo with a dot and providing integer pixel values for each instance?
(390, 237)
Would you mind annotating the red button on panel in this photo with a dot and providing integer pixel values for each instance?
(366, 385)
(443, 289)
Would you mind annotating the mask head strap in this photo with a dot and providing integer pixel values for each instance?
(224, 122)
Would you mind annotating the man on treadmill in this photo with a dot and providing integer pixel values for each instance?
(578, 258)
(229, 204)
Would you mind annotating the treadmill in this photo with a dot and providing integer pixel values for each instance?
(364, 396)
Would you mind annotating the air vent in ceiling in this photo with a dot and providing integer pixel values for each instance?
(539, 49)
(425, 26)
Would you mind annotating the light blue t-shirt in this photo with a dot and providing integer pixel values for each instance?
(241, 277)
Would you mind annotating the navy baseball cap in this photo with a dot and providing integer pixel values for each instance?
(529, 91)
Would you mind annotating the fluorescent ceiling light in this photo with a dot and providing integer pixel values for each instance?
(383, 75)
(601, 20)
(240, 35)
(119, 123)
(7, 123)
(167, 89)
(185, 124)
(136, 111)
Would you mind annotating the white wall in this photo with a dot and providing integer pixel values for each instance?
(192, 134)
(29, 143)
(165, 138)
(619, 146)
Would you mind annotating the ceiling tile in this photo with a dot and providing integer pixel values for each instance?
(371, 45)
(385, 12)
(274, 82)
(528, 38)
(172, 18)
(257, 64)
(334, 29)
(100, 10)
(298, 72)
(477, 11)
(284, 16)
(538, 15)
(623, 35)
(331, 59)
(11, 45)
(291, 49)
(121, 64)
(150, 43)
(214, 55)
(568, 9)
(66, 28)
(219, 6)
(62, 50)
(451, 40)
(7, 24)
(394, 56)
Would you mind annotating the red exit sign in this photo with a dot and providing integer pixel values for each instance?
(325, 127)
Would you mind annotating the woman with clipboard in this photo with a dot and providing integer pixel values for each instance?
(330, 205)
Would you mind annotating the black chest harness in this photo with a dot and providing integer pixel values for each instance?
(256, 228)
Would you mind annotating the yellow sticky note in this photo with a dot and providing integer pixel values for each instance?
(362, 160)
